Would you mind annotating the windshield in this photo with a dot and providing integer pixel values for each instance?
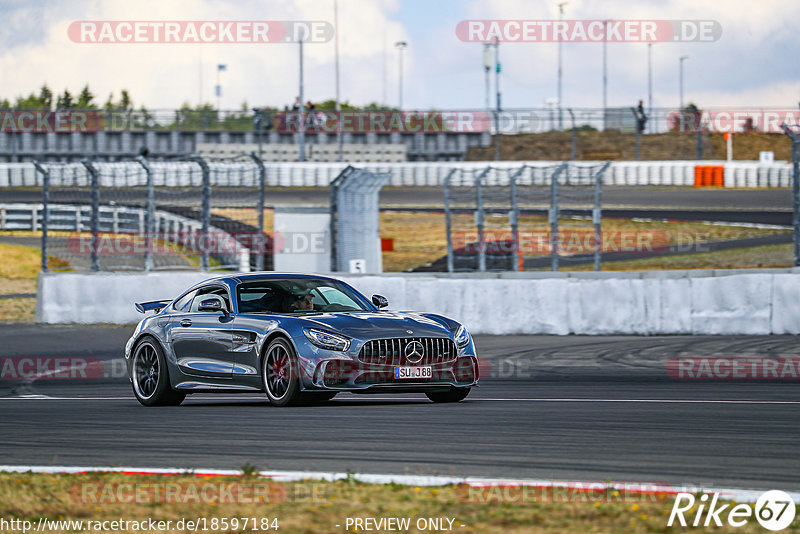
(305, 295)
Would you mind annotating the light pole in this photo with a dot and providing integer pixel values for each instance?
(560, 17)
(650, 83)
(400, 45)
(487, 67)
(301, 136)
(605, 71)
(218, 88)
(338, 103)
(680, 63)
(497, 91)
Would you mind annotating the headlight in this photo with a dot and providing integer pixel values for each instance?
(462, 337)
(326, 340)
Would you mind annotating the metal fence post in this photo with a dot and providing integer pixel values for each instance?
(479, 219)
(334, 212)
(597, 215)
(699, 145)
(205, 211)
(795, 191)
(262, 178)
(638, 131)
(513, 219)
(554, 217)
(45, 214)
(448, 221)
(574, 136)
(150, 215)
(95, 224)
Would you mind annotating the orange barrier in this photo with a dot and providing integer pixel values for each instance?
(709, 175)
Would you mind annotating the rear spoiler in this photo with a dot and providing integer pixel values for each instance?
(153, 305)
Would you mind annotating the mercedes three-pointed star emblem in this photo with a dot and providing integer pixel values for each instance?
(414, 352)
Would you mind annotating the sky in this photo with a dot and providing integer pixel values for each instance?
(753, 64)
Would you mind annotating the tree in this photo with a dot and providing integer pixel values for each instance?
(125, 101)
(28, 102)
(46, 96)
(86, 98)
(65, 100)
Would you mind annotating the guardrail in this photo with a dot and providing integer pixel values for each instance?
(116, 220)
(647, 173)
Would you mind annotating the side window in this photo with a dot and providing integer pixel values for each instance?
(182, 304)
(204, 292)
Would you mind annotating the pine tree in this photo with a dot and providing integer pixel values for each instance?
(65, 100)
(125, 101)
(86, 98)
(46, 96)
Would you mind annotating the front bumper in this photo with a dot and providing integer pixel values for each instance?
(346, 375)
(325, 370)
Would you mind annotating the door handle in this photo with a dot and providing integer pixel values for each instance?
(186, 322)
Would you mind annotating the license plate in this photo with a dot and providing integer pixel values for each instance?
(405, 373)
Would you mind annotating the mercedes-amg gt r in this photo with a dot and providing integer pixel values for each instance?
(298, 338)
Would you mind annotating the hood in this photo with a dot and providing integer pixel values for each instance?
(378, 325)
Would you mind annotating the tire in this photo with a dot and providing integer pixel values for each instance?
(279, 374)
(452, 395)
(150, 377)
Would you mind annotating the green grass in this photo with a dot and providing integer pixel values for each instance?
(317, 507)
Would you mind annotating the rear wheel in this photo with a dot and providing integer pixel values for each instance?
(150, 378)
(452, 395)
(280, 374)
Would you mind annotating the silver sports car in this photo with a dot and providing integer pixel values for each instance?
(299, 338)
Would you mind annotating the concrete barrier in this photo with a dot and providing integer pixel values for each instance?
(320, 174)
(650, 302)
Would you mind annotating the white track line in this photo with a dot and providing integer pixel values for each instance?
(736, 494)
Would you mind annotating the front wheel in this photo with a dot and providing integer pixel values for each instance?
(280, 375)
(150, 378)
(452, 395)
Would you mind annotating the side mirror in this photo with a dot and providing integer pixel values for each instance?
(380, 301)
(212, 305)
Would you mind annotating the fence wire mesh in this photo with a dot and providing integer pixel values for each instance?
(163, 217)
(523, 218)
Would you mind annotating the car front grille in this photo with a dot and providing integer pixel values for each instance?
(393, 351)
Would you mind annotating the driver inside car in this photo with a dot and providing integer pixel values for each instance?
(303, 303)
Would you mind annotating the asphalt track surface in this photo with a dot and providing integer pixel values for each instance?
(563, 407)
